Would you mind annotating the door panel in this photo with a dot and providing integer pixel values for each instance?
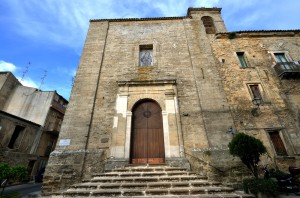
(277, 143)
(147, 144)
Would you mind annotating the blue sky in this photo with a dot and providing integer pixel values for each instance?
(41, 40)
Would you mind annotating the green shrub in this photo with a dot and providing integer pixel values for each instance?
(265, 186)
(277, 173)
(19, 172)
(8, 173)
(4, 171)
(12, 195)
(248, 149)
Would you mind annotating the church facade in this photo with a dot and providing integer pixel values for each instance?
(174, 90)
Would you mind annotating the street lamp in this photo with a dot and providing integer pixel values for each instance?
(257, 102)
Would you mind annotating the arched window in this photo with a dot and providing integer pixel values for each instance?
(208, 23)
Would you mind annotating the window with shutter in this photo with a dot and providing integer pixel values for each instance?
(277, 143)
(255, 91)
(242, 59)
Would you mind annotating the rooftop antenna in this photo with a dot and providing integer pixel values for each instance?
(43, 78)
(25, 71)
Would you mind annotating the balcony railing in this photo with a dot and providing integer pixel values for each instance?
(53, 128)
(288, 69)
(59, 107)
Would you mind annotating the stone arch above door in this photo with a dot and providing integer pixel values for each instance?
(136, 101)
(131, 93)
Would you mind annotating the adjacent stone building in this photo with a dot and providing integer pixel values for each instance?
(30, 121)
(174, 90)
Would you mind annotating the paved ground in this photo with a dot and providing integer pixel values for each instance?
(24, 189)
(34, 189)
(291, 195)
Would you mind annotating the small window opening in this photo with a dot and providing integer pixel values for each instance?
(255, 91)
(146, 55)
(30, 166)
(242, 59)
(49, 148)
(15, 136)
(277, 143)
(208, 23)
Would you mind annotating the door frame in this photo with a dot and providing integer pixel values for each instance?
(164, 93)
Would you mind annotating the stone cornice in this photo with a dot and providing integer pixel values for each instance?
(141, 19)
(146, 82)
(258, 33)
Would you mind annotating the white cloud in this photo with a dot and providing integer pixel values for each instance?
(259, 15)
(5, 66)
(73, 72)
(28, 82)
(66, 23)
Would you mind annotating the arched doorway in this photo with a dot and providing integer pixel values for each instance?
(147, 139)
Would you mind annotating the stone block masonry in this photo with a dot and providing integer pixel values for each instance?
(195, 80)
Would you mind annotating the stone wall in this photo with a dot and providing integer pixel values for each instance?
(25, 141)
(8, 82)
(280, 108)
(67, 161)
(181, 52)
(20, 153)
(29, 103)
(209, 94)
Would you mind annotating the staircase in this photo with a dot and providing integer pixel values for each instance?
(151, 181)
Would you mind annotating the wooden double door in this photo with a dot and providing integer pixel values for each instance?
(147, 140)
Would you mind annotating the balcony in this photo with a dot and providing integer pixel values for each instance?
(53, 128)
(288, 69)
(59, 107)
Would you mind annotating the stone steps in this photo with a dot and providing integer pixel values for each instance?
(144, 185)
(131, 174)
(150, 192)
(150, 181)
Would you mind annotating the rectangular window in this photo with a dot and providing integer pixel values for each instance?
(49, 148)
(15, 136)
(282, 60)
(255, 91)
(277, 143)
(30, 166)
(146, 55)
(242, 59)
(280, 57)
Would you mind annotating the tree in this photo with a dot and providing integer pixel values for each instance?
(248, 149)
(7, 172)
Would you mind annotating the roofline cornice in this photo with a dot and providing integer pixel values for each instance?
(258, 33)
(141, 19)
(18, 118)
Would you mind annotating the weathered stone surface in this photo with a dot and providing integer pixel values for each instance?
(199, 85)
(143, 181)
